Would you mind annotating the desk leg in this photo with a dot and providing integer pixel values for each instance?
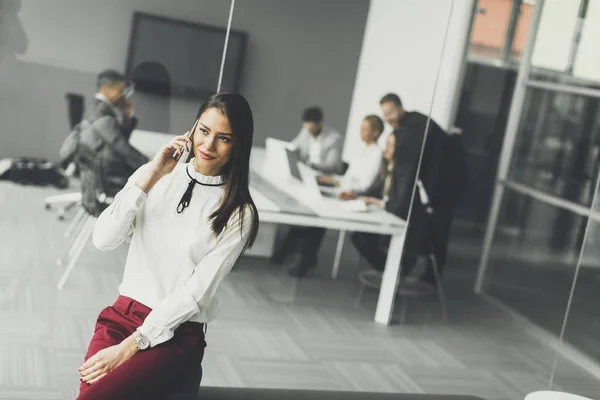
(389, 281)
(338, 254)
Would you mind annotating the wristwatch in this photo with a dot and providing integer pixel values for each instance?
(141, 341)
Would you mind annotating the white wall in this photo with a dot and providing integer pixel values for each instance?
(289, 63)
(401, 53)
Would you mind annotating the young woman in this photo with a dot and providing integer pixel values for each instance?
(388, 192)
(189, 222)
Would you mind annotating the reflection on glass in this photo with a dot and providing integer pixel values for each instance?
(552, 77)
(522, 28)
(533, 259)
(587, 63)
(482, 114)
(558, 145)
(490, 26)
(582, 330)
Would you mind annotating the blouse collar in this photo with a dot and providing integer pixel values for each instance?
(204, 179)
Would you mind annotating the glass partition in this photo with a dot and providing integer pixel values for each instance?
(51, 55)
(539, 254)
(534, 258)
(315, 76)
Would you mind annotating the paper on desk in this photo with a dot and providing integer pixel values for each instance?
(355, 206)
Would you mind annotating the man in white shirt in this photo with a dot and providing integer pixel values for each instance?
(319, 145)
(366, 164)
(361, 174)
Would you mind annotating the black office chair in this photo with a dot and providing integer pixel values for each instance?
(345, 166)
(431, 246)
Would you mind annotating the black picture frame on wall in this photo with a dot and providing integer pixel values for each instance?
(157, 78)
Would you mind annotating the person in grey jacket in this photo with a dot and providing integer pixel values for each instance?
(104, 141)
(319, 145)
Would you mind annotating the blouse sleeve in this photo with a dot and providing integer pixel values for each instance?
(200, 288)
(116, 222)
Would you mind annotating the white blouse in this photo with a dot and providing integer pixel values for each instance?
(175, 262)
(314, 153)
(363, 169)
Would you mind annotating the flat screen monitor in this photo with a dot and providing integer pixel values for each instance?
(173, 57)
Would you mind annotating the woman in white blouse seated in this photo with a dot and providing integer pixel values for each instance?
(189, 223)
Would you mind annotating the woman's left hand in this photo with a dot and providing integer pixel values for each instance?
(371, 200)
(104, 361)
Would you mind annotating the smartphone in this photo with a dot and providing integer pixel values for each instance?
(184, 151)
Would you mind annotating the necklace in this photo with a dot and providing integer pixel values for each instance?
(187, 196)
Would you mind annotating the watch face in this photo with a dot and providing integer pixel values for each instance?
(143, 343)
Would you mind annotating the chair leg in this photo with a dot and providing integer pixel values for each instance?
(338, 254)
(361, 291)
(85, 235)
(80, 236)
(75, 222)
(439, 287)
(62, 198)
(62, 211)
(403, 310)
(72, 246)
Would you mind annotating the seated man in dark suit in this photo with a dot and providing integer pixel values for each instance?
(320, 147)
(106, 134)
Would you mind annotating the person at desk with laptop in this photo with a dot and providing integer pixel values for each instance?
(360, 175)
(365, 166)
(319, 146)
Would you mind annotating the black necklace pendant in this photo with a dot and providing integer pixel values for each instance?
(187, 196)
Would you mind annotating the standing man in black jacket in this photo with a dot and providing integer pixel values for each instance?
(436, 169)
(106, 138)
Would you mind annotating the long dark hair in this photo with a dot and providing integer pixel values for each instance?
(236, 172)
(385, 163)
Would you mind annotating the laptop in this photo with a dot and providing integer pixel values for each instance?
(325, 199)
(293, 161)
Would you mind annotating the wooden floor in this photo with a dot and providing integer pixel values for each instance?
(274, 331)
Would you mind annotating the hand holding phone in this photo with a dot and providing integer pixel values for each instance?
(166, 159)
(182, 149)
(188, 135)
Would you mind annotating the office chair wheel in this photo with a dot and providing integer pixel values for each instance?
(46, 206)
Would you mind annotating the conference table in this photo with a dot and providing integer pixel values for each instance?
(286, 203)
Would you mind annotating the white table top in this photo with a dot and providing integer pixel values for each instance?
(327, 213)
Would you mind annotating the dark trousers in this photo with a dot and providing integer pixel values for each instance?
(307, 240)
(374, 248)
(160, 372)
